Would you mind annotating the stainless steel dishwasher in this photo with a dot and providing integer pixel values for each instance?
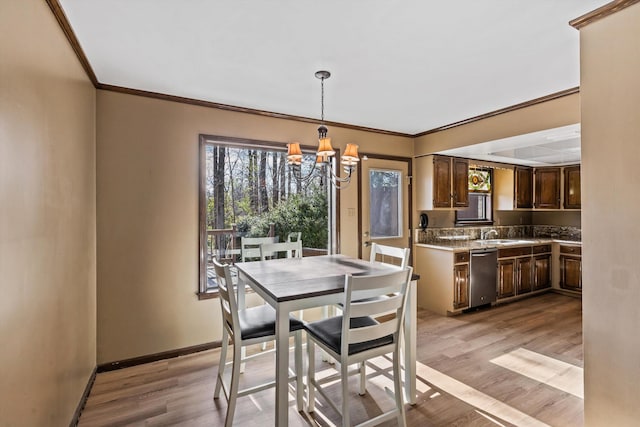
(483, 280)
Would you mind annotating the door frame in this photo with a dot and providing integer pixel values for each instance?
(409, 161)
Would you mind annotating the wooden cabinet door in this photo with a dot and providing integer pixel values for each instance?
(572, 187)
(541, 271)
(571, 272)
(547, 192)
(461, 286)
(441, 182)
(524, 187)
(506, 278)
(460, 183)
(523, 275)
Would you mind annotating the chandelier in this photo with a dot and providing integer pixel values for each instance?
(325, 153)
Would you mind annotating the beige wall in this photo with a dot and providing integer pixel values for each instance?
(147, 192)
(558, 112)
(47, 220)
(610, 88)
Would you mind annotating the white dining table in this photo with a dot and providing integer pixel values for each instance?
(293, 284)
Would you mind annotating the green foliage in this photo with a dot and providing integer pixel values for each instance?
(298, 213)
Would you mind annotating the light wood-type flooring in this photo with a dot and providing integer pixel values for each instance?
(514, 364)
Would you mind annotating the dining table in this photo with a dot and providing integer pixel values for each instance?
(293, 284)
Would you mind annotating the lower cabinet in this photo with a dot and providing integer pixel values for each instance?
(461, 286)
(523, 278)
(541, 271)
(571, 268)
(523, 269)
(506, 278)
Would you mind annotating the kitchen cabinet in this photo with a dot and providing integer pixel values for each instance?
(443, 286)
(460, 182)
(571, 268)
(572, 198)
(523, 275)
(547, 188)
(442, 182)
(506, 278)
(523, 187)
(515, 271)
(541, 263)
(461, 286)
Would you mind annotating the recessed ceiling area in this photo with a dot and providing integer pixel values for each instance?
(550, 147)
(400, 66)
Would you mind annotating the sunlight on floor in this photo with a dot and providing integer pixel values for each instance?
(547, 370)
(471, 396)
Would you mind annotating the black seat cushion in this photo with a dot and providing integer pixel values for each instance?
(260, 321)
(329, 331)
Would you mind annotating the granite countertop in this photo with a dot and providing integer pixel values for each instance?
(453, 244)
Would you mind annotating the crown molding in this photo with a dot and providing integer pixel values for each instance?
(601, 12)
(55, 7)
(509, 109)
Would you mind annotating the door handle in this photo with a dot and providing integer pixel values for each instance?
(367, 244)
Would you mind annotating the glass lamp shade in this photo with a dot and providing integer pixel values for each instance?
(324, 147)
(350, 155)
(294, 153)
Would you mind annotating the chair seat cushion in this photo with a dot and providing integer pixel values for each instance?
(260, 321)
(329, 331)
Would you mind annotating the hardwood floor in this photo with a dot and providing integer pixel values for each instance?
(516, 364)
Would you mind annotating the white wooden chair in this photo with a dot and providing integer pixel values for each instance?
(281, 250)
(358, 335)
(250, 247)
(389, 255)
(255, 325)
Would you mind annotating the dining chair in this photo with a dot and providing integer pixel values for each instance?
(281, 250)
(359, 335)
(245, 327)
(250, 247)
(389, 255)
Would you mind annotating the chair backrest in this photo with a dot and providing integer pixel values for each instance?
(362, 298)
(281, 250)
(294, 236)
(390, 255)
(228, 302)
(250, 246)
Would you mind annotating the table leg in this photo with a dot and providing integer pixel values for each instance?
(410, 341)
(282, 366)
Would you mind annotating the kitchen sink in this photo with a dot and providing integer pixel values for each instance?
(503, 242)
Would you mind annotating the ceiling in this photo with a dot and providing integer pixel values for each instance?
(400, 66)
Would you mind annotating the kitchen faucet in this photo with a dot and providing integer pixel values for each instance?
(485, 234)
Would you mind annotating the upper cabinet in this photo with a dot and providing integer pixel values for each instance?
(572, 187)
(523, 188)
(547, 188)
(442, 182)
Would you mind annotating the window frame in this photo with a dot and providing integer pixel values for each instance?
(203, 290)
(488, 220)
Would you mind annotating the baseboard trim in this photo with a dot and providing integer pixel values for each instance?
(83, 399)
(112, 366)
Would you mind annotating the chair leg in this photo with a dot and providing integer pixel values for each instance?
(311, 374)
(344, 381)
(222, 363)
(397, 388)
(363, 378)
(299, 369)
(233, 389)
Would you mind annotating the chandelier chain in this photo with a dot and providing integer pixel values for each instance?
(322, 99)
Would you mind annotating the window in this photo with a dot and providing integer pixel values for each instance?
(385, 203)
(248, 190)
(480, 199)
